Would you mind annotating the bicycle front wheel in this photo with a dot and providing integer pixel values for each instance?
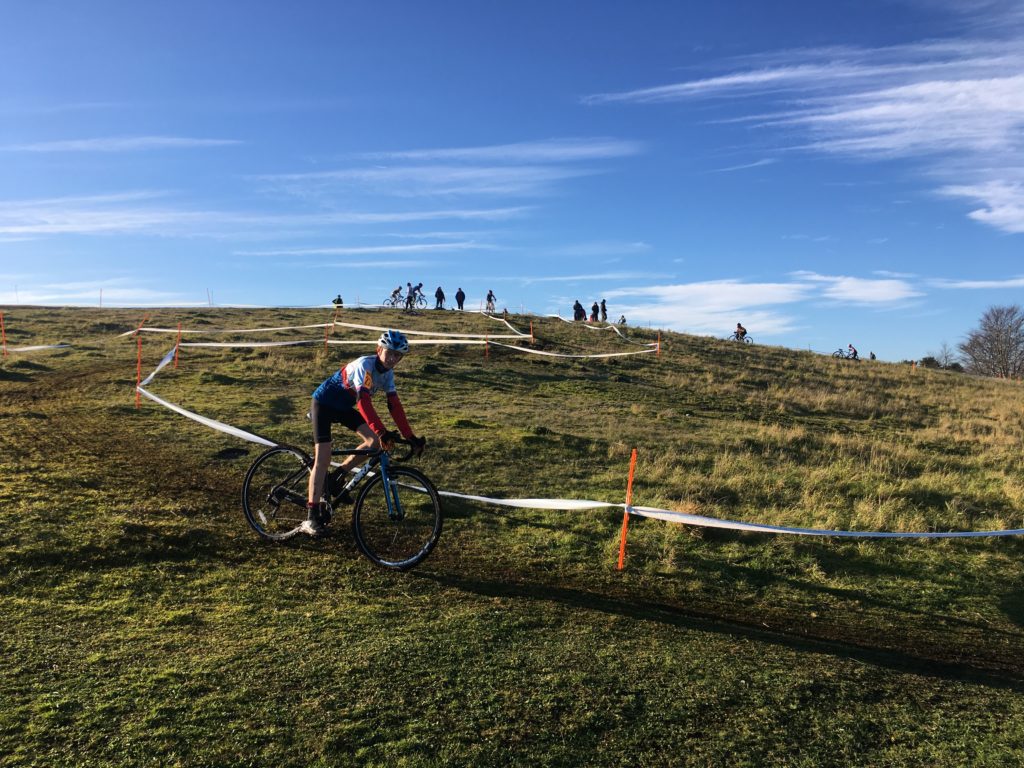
(397, 535)
(274, 492)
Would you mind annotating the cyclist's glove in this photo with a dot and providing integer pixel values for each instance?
(418, 444)
(388, 438)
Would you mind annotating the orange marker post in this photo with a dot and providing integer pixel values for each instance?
(144, 319)
(138, 370)
(3, 333)
(176, 345)
(625, 513)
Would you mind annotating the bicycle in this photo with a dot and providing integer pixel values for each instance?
(842, 354)
(746, 339)
(396, 517)
(394, 301)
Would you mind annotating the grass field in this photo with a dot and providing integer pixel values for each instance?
(143, 623)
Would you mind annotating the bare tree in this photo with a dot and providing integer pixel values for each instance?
(946, 355)
(996, 347)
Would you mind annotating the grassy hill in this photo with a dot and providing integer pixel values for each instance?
(144, 624)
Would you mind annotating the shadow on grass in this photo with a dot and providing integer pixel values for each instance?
(928, 661)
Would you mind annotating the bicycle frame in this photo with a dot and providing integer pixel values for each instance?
(377, 458)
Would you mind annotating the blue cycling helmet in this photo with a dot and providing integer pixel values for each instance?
(394, 340)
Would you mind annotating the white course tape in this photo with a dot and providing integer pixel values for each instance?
(656, 513)
(212, 423)
(146, 329)
(557, 354)
(37, 348)
(433, 333)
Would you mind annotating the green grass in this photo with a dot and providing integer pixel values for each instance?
(144, 624)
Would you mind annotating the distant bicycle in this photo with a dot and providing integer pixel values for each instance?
(396, 517)
(394, 301)
(746, 339)
(844, 355)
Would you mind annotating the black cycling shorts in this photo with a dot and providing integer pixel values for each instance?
(323, 416)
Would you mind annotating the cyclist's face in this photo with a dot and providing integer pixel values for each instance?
(389, 358)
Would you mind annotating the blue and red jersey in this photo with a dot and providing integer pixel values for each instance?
(353, 387)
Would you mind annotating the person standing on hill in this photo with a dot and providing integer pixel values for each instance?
(578, 312)
(345, 397)
(604, 312)
(337, 301)
(460, 297)
(491, 298)
(593, 312)
(439, 295)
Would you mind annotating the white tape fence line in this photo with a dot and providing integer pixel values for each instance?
(656, 513)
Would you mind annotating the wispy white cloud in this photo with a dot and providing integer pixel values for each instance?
(150, 212)
(116, 291)
(431, 180)
(368, 249)
(954, 106)
(1003, 202)
(1012, 282)
(545, 151)
(757, 164)
(601, 248)
(712, 307)
(859, 290)
(606, 276)
(119, 144)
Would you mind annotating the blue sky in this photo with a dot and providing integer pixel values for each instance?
(826, 173)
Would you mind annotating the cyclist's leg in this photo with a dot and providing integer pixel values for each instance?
(352, 419)
(321, 418)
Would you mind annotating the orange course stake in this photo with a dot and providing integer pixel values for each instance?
(625, 513)
(176, 345)
(138, 370)
(3, 333)
(144, 319)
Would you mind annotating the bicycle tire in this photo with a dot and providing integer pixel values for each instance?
(274, 492)
(421, 302)
(398, 544)
(838, 354)
(748, 339)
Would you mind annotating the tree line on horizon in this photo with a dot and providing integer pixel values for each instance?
(995, 348)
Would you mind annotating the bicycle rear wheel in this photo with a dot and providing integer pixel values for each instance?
(274, 492)
(401, 537)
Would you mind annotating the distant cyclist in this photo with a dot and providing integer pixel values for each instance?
(345, 397)
(851, 352)
(491, 298)
(396, 295)
(741, 332)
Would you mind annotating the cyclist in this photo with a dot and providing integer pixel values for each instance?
(491, 298)
(345, 397)
(396, 295)
(741, 332)
(851, 352)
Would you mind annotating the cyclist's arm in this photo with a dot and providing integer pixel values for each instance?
(364, 404)
(398, 414)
